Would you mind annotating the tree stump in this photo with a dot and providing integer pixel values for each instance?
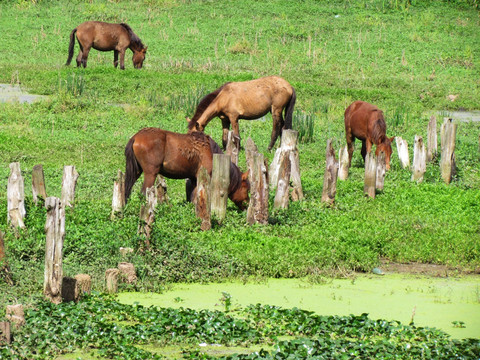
(55, 235)
(4, 269)
(69, 289)
(69, 182)
(330, 177)
(219, 185)
(233, 147)
(5, 333)
(84, 285)
(38, 184)
(16, 197)
(419, 159)
(432, 139)
(202, 199)
(147, 215)
(370, 174)
(447, 161)
(161, 189)
(127, 272)
(118, 198)
(381, 171)
(402, 150)
(15, 315)
(283, 181)
(257, 212)
(111, 280)
(343, 163)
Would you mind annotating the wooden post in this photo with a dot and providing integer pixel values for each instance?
(84, 285)
(402, 150)
(257, 212)
(55, 235)
(69, 287)
(432, 139)
(16, 197)
(125, 250)
(127, 272)
(330, 177)
(118, 199)
(111, 280)
(284, 170)
(70, 177)
(370, 174)
(447, 163)
(161, 189)
(233, 147)
(343, 163)
(202, 199)
(219, 185)
(4, 269)
(147, 215)
(419, 159)
(38, 184)
(15, 314)
(381, 170)
(5, 333)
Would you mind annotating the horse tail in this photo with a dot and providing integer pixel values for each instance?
(133, 169)
(70, 46)
(289, 110)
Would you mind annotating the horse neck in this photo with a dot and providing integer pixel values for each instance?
(235, 179)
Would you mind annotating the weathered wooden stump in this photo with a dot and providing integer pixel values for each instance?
(233, 147)
(4, 269)
(219, 185)
(16, 197)
(202, 199)
(257, 212)
(38, 184)
(370, 174)
(127, 272)
(15, 314)
(419, 159)
(381, 171)
(447, 161)
(402, 150)
(147, 215)
(432, 139)
(161, 189)
(111, 280)
(5, 333)
(69, 289)
(69, 182)
(84, 285)
(330, 177)
(124, 251)
(118, 198)
(283, 181)
(343, 163)
(55, 235)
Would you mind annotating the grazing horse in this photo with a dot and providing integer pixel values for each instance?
(247, 100)
(106, 37)
(365, 122)
(177, 156)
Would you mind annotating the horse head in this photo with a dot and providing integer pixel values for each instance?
(139, 57)
(240, 195)
(193, 125)
(386, 147)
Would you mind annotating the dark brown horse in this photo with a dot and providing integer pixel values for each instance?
(365, 122)
(106, 37)
(247, 100)
(177, 156)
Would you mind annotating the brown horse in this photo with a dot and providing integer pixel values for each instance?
(365, 122)
(106, 37)
(177, 156)
(247, 100)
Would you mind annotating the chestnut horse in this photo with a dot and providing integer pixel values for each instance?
(177, 156)
(247, 100)
(365, 122)
(106, 37)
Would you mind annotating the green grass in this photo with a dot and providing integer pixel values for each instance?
(406, 57)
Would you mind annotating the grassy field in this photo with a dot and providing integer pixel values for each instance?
(405, 57)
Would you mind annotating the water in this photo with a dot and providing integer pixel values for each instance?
(13, 93)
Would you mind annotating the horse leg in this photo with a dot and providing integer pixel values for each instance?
(226, 129)
(350, 146)
(235, 128)
(364, 149)
(85, 52)
(190, 185)
(122, 59)
(148, 180)
(278, 124)
(79, 58)
(115, 58)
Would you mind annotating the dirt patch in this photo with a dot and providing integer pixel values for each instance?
(423, 269)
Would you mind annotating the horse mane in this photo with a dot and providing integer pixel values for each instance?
(379, 127)
(203, 104)
(134, 39)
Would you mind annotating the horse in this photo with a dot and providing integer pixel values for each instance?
(106, 37)
(365, 122)
(247, 100)
(155, 151)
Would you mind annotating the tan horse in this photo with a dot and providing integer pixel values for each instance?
(106, 37)
(365, 122)
(155, 151)
(247, 100)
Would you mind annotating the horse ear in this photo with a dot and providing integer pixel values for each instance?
(144, 50)
(392, 138)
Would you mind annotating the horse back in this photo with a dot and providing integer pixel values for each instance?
(103, 36)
